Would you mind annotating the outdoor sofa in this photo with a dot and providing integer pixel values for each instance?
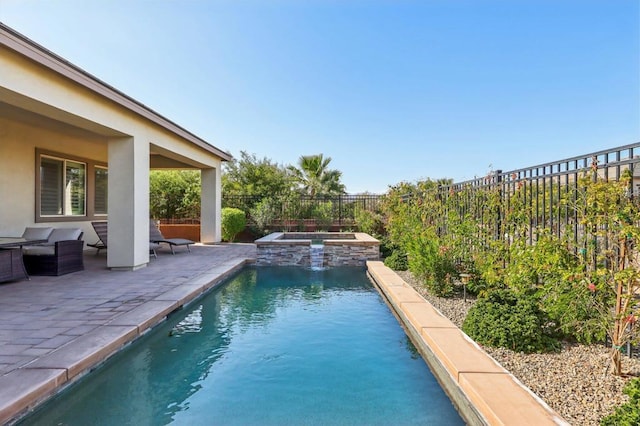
(61, 254)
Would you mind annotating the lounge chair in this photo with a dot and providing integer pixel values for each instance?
(101, 231)
(155, 236)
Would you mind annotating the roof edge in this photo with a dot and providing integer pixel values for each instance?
(21, 44)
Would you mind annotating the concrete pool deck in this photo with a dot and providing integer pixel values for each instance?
(53, 330)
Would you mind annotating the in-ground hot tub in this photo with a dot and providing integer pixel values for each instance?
(337, 248)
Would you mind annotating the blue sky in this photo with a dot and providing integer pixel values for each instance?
(392, 90)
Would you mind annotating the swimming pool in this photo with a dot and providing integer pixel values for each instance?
(274, 346)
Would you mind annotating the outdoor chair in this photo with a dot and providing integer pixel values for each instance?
(61, 254)
(155, 236)
(101, 231)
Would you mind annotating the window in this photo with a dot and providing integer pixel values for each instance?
(62, 187)
(69, 188)
(50, 187)
(101, 187)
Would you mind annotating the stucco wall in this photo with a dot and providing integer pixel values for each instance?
(47, 103)
(18, 143)
(34, 88)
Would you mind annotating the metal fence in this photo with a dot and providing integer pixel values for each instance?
(340, 210)
(544, 192)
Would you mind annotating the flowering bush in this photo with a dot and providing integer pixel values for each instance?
(432, 263)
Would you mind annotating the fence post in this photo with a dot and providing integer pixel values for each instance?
(498, 180)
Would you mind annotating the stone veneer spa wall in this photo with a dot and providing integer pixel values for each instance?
(339, 248)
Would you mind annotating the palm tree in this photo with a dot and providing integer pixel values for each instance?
(315, 178)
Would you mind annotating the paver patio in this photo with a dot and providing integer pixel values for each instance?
(54, 328)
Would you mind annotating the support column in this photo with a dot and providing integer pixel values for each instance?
(128, 210)
(211, 204)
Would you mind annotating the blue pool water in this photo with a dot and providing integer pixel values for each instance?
(274, 346)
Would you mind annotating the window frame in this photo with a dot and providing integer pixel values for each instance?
(90, 192)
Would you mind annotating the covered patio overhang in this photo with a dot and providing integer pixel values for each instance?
(50, 109)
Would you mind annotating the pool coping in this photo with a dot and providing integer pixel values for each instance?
(484, 392)
(23, 389)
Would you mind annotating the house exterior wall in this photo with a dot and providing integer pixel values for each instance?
(18, 143)
(70, 112)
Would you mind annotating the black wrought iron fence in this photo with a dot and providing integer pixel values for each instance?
(545, 195)
(339, 210)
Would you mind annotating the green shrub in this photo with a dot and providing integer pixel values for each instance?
(478, 286)
(628, 414)
(233, 222)
(386, 246)
(397, 261)
(504, 320)
(264, 214)
(369, 222)
(549, 270)
(431, 262)
(323, 214)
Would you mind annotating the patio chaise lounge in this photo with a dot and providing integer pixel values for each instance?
(101, 231)
(155, 236)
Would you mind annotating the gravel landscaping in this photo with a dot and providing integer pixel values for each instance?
(575, 382)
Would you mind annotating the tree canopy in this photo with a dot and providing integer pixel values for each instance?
(174, 193)
(313, 176)
(253, 176)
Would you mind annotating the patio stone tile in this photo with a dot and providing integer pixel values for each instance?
(55, 342)
(16, 324)
(21, 388)
(36, 352)
(72, 314)
(80, 330)
(69, 324)
(20, 360)
(182, 294)
(28, 340)
(47, 330)
(87, 350)
(12, 349)
(101, 316)
(146, 315)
